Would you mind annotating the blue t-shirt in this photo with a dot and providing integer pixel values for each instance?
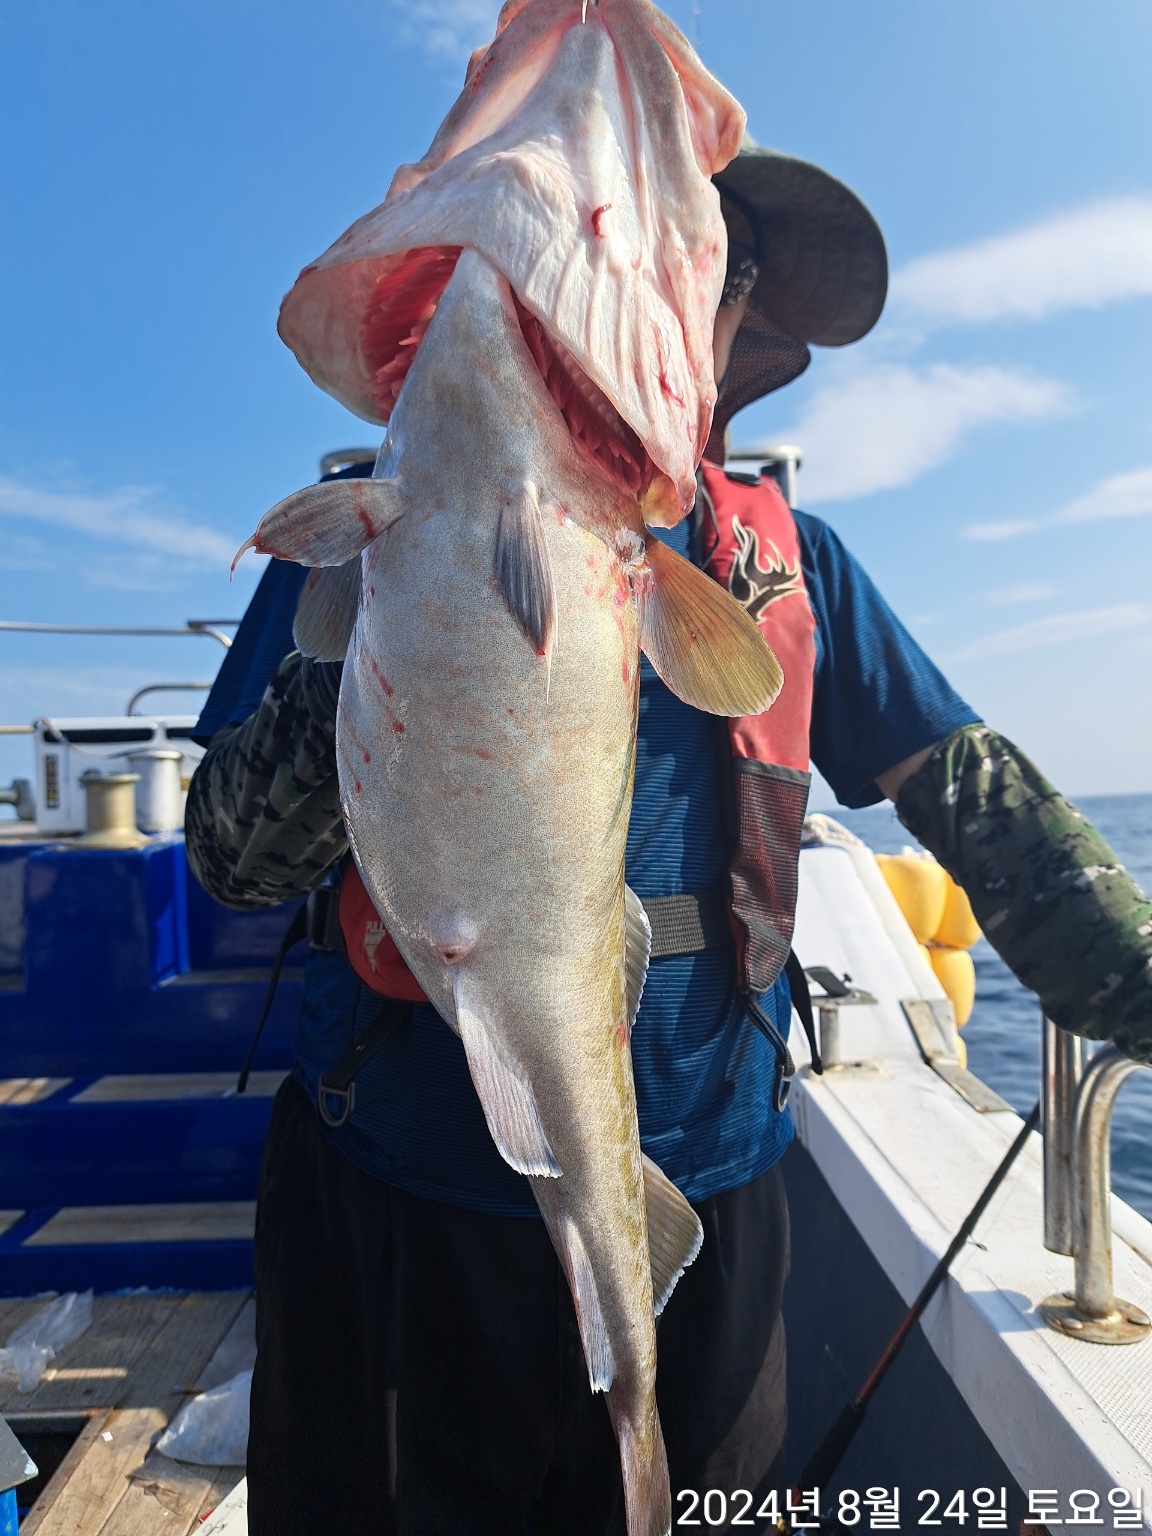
(703, 1072)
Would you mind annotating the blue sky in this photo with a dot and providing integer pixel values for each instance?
(165, 170)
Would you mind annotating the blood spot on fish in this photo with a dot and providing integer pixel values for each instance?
(476, 790)
(387, 687)
(359, 786)
(371, 591)
(621, 1034)
(366, 522)
(598, 219)
(398, 727)
(626, 672)
(511, 711)
(669, 392)
(368, 755)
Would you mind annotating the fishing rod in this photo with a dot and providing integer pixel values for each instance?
(829, 1453)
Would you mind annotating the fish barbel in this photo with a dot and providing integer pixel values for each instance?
(486, 740)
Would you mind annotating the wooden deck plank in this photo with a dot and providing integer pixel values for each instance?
(94, 1370)
(15, 1310)
(160, 1087)
(52, 1488)
(207, 1221)
(162, 1496)
(235, 1352)
(100, 1479)
(177, 1353)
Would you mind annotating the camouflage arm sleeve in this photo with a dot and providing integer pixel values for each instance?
(263, 822)
(1049, 893)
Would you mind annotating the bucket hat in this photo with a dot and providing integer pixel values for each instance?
(822, 269)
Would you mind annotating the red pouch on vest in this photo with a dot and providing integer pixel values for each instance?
(371, 950)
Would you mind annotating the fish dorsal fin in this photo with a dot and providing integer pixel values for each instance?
(637, 948)
(701, 642)
(326, 611)
(506, 1097)
(674, 1233)
(524, 567)
(327, 524)
(589, 1313)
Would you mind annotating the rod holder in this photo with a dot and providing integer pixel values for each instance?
(1092, 1312)
(1062, 1066)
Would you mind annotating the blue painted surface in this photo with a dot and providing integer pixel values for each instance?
(8, 1519)
(117, 962)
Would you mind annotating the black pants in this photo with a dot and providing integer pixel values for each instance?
(419, 1368)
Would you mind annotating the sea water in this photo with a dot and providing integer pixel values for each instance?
(1003, 1034)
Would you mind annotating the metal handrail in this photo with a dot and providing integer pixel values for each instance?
(1092, 1311)
(191, 627)
(164, 688)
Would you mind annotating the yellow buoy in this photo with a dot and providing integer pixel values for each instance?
(958, 928)
(920, 887)
(957, 975)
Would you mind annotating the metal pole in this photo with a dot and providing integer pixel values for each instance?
(1094, 1313)
(1062, 1065)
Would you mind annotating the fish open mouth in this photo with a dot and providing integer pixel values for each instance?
(399, 312)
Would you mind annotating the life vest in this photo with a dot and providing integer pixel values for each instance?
(751, 547)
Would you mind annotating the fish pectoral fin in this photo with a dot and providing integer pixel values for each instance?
(589, 1313)
(701, 642)
(507, 1099)
(637, 948)
(327, 524)
(674, 1233)
(326, 610)
(524, 567)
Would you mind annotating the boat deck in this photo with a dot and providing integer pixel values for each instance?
(119, 1384)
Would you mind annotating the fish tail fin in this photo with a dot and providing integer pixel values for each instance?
(644, 1464)
(701, 642)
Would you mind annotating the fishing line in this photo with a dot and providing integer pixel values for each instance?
(828, 1454)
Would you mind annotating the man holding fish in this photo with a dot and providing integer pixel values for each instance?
(513, 645)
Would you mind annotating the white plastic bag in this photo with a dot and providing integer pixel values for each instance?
(212, 1430)
(33, 1346)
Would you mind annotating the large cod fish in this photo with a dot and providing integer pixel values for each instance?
(535, 326)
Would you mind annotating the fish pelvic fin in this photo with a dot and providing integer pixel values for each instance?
(327, 524)
(506, 1097)
(644, 1463)
(524, 568)
(589, 1313)
(326, 611)
(701, 642)
(637, 949)
(675, 1235)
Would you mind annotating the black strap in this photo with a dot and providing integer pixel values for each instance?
(336, 1090)
(687, 923)
(296, 930)
(802, 1002)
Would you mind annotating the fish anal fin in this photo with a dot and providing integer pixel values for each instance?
(524, 567)
(326, 611)
(327, 524)
(589, 1313)
(507, 1099)
(637, 949)
(674, 1233)
(701, 642)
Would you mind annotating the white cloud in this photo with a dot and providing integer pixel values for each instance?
(1022, 592)
(1085, 258)
(129, 517)
(886, 426)
(1055, 630)
(446, 30)
(1125, 495)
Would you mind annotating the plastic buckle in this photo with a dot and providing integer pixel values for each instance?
(345, 1097)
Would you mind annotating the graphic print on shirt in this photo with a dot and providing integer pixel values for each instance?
(757, 586)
